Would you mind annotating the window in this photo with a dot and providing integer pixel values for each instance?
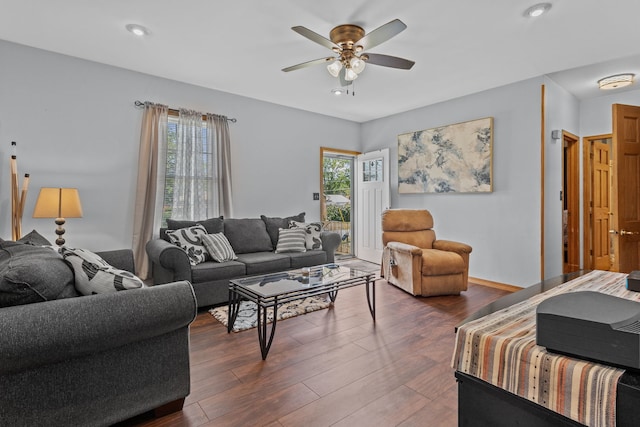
(372, 170)
(190, 171)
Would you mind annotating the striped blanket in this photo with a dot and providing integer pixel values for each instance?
(501, 349)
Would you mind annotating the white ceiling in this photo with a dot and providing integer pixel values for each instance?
(240, 46)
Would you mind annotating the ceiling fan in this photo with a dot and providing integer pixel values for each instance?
(349, 42)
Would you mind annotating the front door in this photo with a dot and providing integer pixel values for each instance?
(626, 187)
(373, 197)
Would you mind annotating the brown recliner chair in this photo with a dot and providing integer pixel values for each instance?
(415, 261)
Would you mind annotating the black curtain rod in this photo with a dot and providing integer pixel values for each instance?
(140, 104)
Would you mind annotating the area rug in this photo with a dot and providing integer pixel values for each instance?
(248, 318)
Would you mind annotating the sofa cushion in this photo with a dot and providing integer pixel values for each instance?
(211, 270)
(308, 258)
(93, 275)
(190, 239)
(291, 240)
(264, 262)
(247, 235)
(312, 233)
(212, 225)
(218, 247)
(274, 224)
(30, 274)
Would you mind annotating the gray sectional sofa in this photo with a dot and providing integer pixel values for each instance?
(253, 240)
(87, 360)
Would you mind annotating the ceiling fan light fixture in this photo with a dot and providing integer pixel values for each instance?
(338, 91)
(334, 68)
(350, 74)
(616, 81)
(357, 64)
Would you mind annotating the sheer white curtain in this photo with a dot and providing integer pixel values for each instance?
(194, 169)
(202, 185)
(151, 163)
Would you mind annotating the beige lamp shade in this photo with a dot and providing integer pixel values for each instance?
(58, 203)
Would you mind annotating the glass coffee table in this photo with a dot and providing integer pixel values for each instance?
(270, 290)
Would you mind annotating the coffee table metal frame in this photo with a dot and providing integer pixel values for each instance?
(239, 289)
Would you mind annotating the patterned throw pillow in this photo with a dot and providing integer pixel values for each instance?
(190, 239)
(312, 233)
(219, 247)
(94, 276)
(291, 240)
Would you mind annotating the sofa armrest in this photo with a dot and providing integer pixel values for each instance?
(49, 332)
(330, 242)
(120, 258)
(169, 262)
(450, 246)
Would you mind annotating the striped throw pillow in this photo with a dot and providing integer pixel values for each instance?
(291, 240)
(218, 247)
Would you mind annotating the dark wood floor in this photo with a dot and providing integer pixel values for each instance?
(332, 367)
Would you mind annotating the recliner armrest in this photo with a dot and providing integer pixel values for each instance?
(451, 246)
(404, 248)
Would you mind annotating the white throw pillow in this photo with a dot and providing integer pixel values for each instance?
(312, 233)
(291, 240)
(219, 247)
(93, 275)
(190, 239)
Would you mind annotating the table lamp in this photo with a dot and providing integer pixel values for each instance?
(58, 203)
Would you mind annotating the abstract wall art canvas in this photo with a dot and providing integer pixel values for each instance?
(448, 159)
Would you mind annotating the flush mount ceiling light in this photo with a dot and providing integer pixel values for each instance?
(136, 29)
(537, 10)
(616, 81)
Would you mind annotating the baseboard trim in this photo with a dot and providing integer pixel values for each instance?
(497, 285)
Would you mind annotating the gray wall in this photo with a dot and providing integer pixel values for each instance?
(76, 126)
(503, 226)
(562, 113)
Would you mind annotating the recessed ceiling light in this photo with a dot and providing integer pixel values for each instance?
(537, 10)
(136, 29)
(616, 81)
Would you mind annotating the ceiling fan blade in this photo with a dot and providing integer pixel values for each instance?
(307, 64)
(382, 34)
(389, 61)
(315, 37)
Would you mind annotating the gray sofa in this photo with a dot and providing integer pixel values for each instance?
(252, 239)
(94, 360)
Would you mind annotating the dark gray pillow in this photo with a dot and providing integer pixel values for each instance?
(274, 224)
(34, 238)
(30, 274)
(247, 235)
(212, 225)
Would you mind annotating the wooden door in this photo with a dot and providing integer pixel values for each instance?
(601, 205)
(571, 204)
(626, 187)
